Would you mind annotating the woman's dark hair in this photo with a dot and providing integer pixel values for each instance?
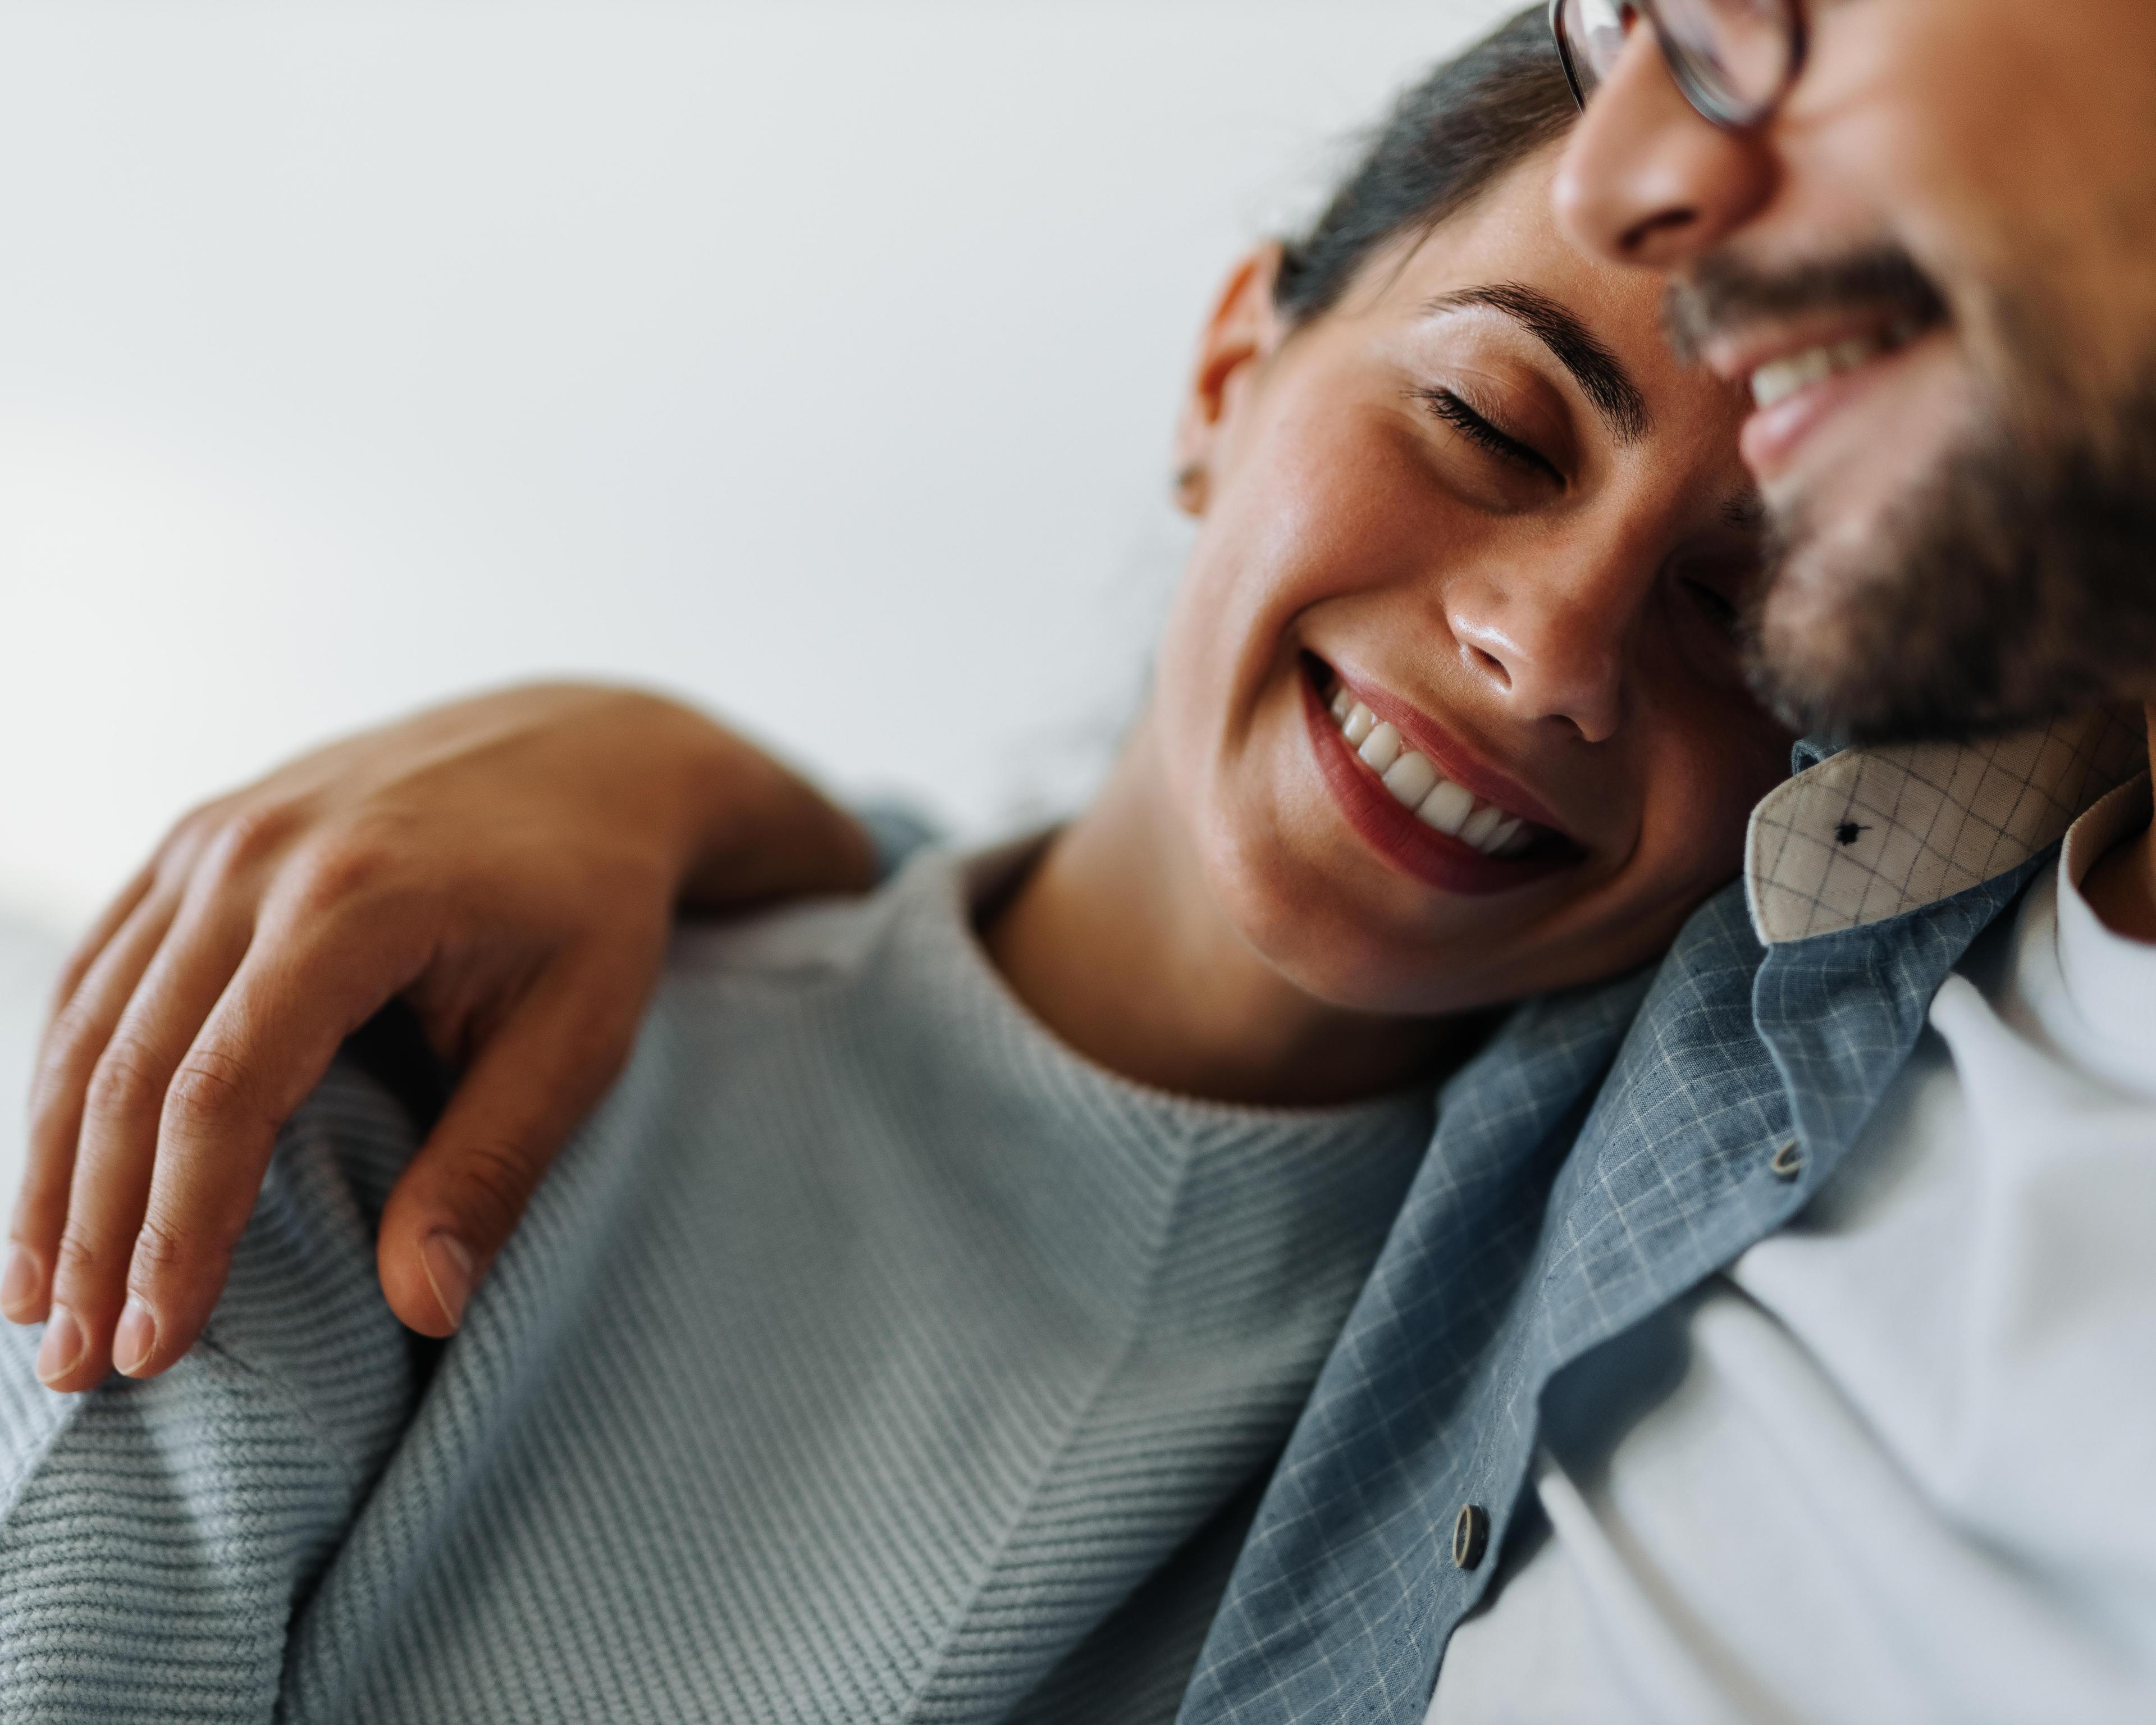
(1448, 138)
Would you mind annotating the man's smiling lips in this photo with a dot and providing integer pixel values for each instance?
(1799, 377)
(1424, 821)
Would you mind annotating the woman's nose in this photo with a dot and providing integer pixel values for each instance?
(1645, 178)
(1544, 654)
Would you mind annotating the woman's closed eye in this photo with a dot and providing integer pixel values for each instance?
(1443, 405)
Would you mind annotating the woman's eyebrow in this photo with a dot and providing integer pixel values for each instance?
(1600, 374)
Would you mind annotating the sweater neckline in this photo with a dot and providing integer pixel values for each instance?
(1175, 1202)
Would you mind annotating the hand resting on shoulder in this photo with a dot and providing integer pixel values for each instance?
(508, 867)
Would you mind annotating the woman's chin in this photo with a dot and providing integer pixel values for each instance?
(1309, 927)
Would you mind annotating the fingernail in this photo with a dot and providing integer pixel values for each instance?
(136, 1339)
(64, 1347)
(20, 1286)
(447, 1262)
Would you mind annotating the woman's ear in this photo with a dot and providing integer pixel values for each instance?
(1242, 334)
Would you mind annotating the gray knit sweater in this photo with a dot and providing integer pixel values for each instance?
(870, 1356)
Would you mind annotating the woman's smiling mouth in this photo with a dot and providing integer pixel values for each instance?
(1418, 786)
(1409, 810)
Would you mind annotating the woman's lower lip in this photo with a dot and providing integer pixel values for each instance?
(1434, 858)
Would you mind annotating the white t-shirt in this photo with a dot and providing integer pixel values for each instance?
(1899, 1462)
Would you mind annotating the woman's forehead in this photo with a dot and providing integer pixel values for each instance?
(1510, 234)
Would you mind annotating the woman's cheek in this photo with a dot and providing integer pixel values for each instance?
(1699, 798)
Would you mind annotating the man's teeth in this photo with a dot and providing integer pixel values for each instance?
(1780, 379)
(1415, 783)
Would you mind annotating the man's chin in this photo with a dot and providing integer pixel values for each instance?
(1857, 637)
(2007, 588)
(1811, 662)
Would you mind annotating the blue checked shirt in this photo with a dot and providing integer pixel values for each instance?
(1551, 1215)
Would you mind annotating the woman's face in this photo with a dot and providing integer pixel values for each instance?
(1479, 506)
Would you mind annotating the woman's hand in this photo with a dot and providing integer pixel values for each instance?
(508, 866)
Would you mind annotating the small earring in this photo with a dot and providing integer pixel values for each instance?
(1189, 488)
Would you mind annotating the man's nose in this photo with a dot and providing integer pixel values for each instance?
(1548, 651)
(1645, 178)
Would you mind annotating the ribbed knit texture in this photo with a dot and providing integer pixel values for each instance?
(861, 1360)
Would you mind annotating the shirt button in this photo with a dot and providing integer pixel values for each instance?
(1789, 1161)
(1471, 1536)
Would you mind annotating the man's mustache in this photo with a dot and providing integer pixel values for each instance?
(1725, 294)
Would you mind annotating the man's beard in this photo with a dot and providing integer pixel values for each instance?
(2016, 584)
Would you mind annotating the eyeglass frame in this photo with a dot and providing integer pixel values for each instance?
(1686, 74)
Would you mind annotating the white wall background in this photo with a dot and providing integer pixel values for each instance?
(814, 358)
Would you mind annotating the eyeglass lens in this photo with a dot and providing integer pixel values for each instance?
(1736, 51)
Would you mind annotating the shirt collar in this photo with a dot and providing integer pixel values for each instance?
(1871, 833)
(2110, 980)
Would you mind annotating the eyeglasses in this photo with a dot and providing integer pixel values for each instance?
(1733, 60)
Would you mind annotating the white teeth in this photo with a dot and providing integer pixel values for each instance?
(1775, 383)
(1482, 826)
(1414, 782)
(1446, 808)
(1780, 379)
(1381, 748)
(1410, 778)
